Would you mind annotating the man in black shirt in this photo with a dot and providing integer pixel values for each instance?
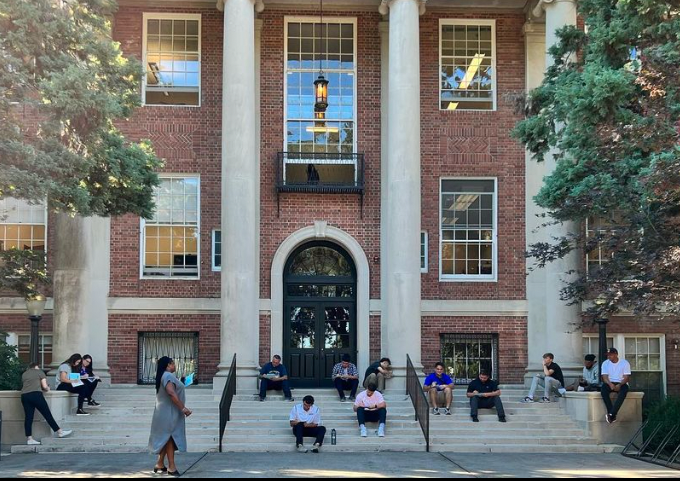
(377, 373)
(484, 393)
(552, 378)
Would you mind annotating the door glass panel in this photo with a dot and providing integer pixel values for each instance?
(337, 332)
(313, 290)
(320, 261)
(302, 327)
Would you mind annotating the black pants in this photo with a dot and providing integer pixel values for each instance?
(364, 416)
(606, 391)
(300, 431)
(477, 403)
(31, 402)
(349, 385)
(93, 385)
(84, 392)
(267, 385)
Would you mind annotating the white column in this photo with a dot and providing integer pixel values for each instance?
(534, 35)
(81, 290)
(401, 304)
(384, 121)
(561, 330)
(240, 202)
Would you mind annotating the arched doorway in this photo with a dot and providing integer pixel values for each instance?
(320, 323)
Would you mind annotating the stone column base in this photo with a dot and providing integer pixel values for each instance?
(246, 379)
(588, 410)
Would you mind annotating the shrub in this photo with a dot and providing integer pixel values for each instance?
(11, 368)
(667, 415)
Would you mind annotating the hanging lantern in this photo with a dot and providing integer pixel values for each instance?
(321, 94)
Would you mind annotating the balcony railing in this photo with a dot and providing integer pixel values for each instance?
(320, 173)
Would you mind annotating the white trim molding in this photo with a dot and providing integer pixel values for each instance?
(344, 240)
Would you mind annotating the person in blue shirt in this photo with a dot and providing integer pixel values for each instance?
(439, 386)
(275, 376)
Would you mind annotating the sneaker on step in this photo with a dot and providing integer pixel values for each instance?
(447, 412)
(80, 412)
(65, 433)
(528, 400)
(502, 420)
(352, 398)
(93, 404)
(608, 418)
(435, 411)
(316, 448)
(301, 449)
(381, 431)
(562, 391)
(343, 399)
(475, 419)
(545, 400)
(33, 442)
(290, 399)
(613, 418)
(364, 433)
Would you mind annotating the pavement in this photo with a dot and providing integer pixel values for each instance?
(327, 465)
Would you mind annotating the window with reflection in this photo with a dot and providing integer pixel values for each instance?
(302, 327)
(22, 225)
(468, 229)
(320, 261)
(467, 62)
(172, 59)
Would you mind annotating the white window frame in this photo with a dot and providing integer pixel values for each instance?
(172, 16)
(424, 269)
(470, 278)
(215, 267)
(494, 79)
(314, 20)
(47, 218)
(13, 339)
(142, 236)
(620, 345)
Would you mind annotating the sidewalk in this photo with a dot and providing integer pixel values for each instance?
(382, 465)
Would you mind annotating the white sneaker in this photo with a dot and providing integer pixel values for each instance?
(316, 448)
(65, 433)
(364, 433)
(562, 391)
(33, 442)
(301, 449)
(381, 431)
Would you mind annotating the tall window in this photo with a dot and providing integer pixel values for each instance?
(172, 59)
(22, 226)
(217, 250)
(468, 229)
(467, 64)
(332, 45)
(423, 252)
(171, 237)
(597, 226)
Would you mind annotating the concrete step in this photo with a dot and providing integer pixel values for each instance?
(527, 448)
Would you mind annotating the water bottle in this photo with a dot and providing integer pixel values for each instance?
(334, 437)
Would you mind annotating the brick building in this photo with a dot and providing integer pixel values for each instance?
(395, 223)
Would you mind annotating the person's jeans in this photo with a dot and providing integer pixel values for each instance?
(346, 385)
(377, 379)
(477, 403)
(32, 401)
(364, 416)
(300, 432)
(93, 386)
(606, 391)
(267, 385)
(84, 392)
(549, 383)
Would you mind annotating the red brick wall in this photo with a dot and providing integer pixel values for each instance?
(475, 144)
(512, 341)
(266, 339)
(633, 325)
(188, 139)
(375, 338)
(19, 323)
(124, 341)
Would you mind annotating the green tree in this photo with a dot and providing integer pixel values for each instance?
(63, 85)
(11, 367)
(610, 107)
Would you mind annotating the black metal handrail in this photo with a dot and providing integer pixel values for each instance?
(313, 182)
(227, 398)
(422, 407)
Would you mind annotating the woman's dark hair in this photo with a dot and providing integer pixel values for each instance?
(89, 369)
(71, 361)
(386, 359)
(163, 364)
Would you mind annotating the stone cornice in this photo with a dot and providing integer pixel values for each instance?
(259, 5)
(385, 6)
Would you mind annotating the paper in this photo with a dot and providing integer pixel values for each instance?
(189, 380)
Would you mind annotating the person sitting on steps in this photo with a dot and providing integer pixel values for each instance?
(483, 393)
(274, 376)
(439, 386)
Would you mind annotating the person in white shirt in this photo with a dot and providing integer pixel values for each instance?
(305, 419)
(615, 377)
(371, 406)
